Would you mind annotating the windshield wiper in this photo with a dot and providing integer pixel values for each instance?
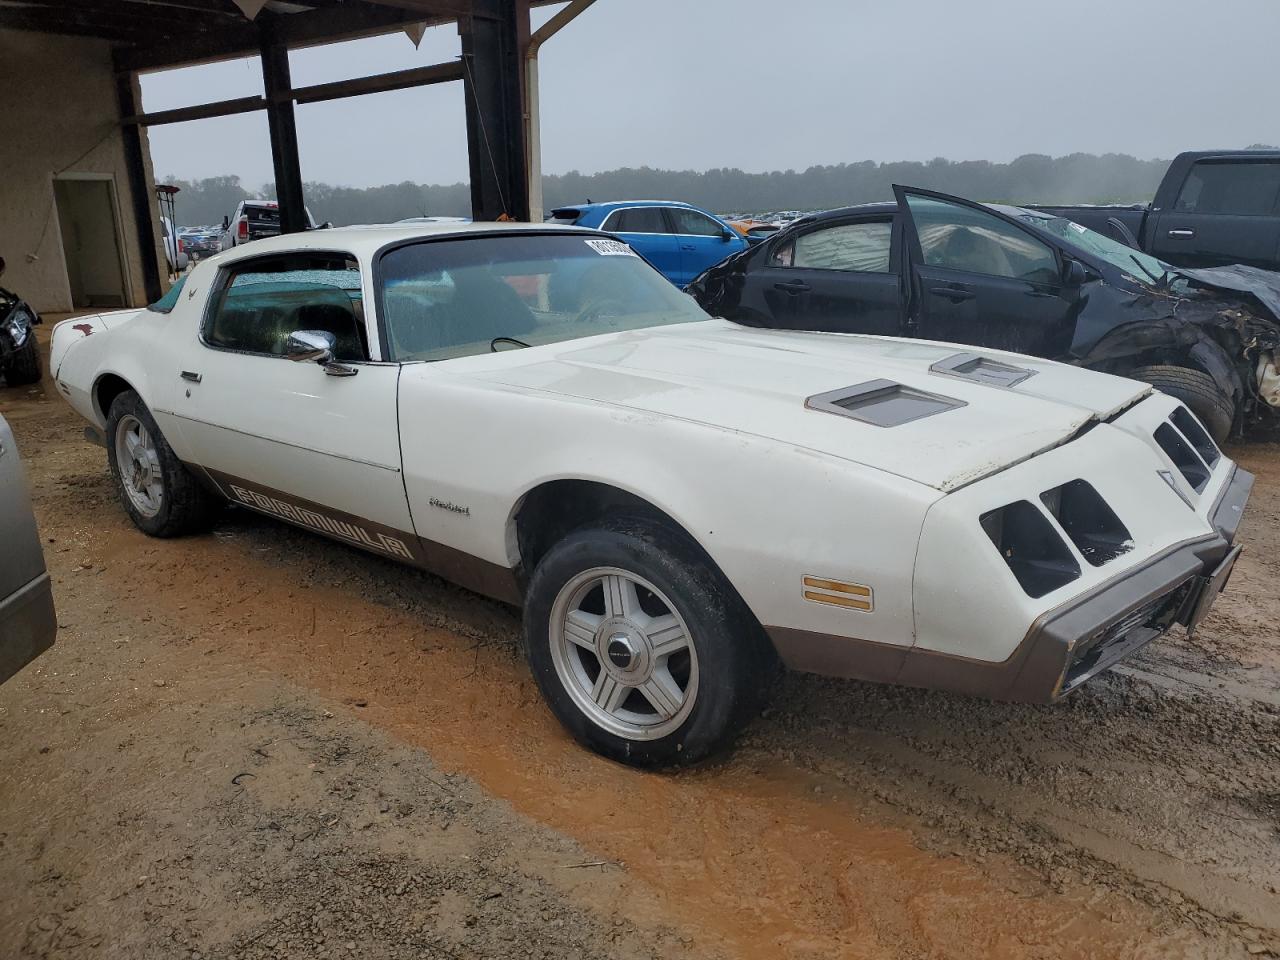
(493, 344)
(1160, 281)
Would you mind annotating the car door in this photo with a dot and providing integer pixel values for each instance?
(646, 231)
(1226, 211)
(703, 242)
(27, 620)
(838, 275)
(315, 445)
(979, 277)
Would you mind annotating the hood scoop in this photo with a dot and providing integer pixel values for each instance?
(882, 403)
(980, 369)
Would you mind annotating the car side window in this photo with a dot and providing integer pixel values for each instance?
(961, 238)
(1234, 189)
(262, 301)
(637, 220)
(694, 223)
(852, 247)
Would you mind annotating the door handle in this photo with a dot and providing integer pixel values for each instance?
(1183, 232)
(954, 294)
(687, 246)
(791, 286)
(192, 376)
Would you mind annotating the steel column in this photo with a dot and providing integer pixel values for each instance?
(493, 41)
(284, 133)
(128, 99)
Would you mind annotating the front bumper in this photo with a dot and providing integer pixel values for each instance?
(1066, 646)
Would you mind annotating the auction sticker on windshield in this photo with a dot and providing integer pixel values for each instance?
(611, 248)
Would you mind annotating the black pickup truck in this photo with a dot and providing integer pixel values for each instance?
(1213, 207)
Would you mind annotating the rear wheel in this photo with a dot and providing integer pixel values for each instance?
(24, 367)
(1198, 391)
(640, 647)
(161, 497)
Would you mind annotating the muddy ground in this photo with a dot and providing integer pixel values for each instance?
(258, 743)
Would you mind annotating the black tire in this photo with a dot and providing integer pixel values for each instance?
(185, 505)
(1198, 391)
(24, 367)
(735, 659)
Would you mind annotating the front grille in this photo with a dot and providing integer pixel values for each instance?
(1121, 637)
(1038, 557)
(1203, 444)
(1089, 521)
(1187, 461)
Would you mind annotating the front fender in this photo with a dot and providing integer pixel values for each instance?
(766, 513)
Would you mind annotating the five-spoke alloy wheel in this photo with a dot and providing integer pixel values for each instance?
(640, 646)
(158, 492)
(140, 475)
(623, 653)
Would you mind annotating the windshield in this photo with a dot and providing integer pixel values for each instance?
(1133, 262)
(458, 298)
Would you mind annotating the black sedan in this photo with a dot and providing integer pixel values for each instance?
(942, 268)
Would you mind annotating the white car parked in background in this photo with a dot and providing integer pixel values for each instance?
(173, 253)
(253, 220)
(675, 500)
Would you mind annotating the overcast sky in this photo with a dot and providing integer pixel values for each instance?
(777, 84)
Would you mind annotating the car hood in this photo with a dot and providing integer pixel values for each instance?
(756, 382)
(1262, 285)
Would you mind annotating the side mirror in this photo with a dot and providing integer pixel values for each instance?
(310, 346)
(1074, 274)
(226, 223)
(317, 346)
(726, 235)
(1, 266)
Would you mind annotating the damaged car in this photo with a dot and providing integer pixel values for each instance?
(19, 353)
(938, 267)
(676, 501)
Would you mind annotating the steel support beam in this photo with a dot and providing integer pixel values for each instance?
(533, 98)
(316, 93)
(379, 83)
(493, 42)
(127, 98)
(284, 132)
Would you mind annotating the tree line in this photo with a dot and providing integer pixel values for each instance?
(1031, 178)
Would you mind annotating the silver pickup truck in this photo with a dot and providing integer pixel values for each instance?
(27, 620)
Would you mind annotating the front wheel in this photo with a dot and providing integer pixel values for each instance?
(161, 497)
(640, 647)
(1198, 391)
(24, 367)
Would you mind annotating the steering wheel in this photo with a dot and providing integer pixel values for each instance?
(604, 307)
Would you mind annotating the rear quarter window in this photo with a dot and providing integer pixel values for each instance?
(170, 299)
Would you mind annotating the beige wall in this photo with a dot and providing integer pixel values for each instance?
(58, 105)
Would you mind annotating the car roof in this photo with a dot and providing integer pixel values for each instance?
(1263, 153)
(617, 204)
(365, 240)
(886, 209)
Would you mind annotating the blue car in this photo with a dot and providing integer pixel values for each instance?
(677, 238)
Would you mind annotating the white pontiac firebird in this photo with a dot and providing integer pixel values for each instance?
(677, 502)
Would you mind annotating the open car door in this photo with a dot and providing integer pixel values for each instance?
(980, 277)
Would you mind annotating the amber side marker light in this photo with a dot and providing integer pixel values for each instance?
(855, 596)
